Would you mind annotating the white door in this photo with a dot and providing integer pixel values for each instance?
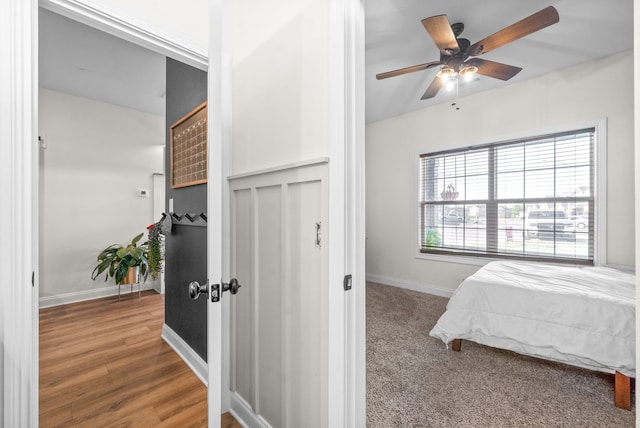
(266, 380)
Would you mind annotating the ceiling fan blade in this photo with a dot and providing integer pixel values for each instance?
(433, 88)
(406, 70)
(524, 27)
(440, 31)
(494, 69)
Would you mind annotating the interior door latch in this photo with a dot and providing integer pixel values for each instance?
(346, 282)
(232, 287)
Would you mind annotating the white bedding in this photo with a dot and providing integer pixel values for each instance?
(584, 316)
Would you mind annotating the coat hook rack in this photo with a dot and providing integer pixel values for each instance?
(194, 219)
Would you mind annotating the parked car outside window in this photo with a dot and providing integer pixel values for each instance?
(453, 217)
(549, 224)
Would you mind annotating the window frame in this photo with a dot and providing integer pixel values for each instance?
(599, 197)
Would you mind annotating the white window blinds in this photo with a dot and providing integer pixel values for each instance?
(530, 198)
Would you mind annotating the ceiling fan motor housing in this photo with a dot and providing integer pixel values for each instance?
(457, 28)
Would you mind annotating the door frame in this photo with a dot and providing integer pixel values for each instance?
(18, 218)
(347, 335)
(19, 171)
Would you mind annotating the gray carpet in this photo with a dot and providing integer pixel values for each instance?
(414, 381)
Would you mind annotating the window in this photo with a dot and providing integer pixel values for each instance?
(527, 199)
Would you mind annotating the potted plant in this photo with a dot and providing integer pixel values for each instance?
(123, 262)
(432, 238)
(450, 194)
(156, 232)
(154, 244)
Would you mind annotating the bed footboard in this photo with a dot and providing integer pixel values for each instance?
(623, 391)
(622, 385)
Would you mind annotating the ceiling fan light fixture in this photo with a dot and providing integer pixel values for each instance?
(446, 73)
(468, 72)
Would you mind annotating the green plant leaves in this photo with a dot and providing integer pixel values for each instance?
(135, 240)
(118, 259)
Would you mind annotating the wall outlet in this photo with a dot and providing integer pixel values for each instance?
(143, 193)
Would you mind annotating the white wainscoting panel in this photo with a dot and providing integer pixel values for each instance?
(241, 326)
(306, 332)
(279, 322)
(269, 303)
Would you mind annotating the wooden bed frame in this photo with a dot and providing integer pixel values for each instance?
(622, 386)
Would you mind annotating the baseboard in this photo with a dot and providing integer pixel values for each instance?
(240, 409)
(94, 293)
(244, 414)
(408, 285)
(188, 355)
(623, 268)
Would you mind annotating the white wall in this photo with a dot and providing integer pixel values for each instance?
(185, 23)
(280, 82)
(559, 100)
(97, 155)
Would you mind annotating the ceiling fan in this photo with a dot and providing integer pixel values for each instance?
(455, 52)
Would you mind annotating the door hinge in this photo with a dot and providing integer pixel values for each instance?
(346, 282)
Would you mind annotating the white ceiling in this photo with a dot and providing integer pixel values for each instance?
(83, 61)
(395, 38)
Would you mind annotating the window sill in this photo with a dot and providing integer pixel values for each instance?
(462, 260)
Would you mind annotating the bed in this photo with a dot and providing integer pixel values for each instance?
(583, 316)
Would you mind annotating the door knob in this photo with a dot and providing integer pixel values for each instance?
(232, 287)
(195, 290)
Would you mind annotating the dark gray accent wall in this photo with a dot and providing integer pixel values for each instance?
(186, 246)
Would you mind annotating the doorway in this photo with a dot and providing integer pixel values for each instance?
(101, 127)
(337, 375)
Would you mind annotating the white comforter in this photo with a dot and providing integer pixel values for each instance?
(584, 316)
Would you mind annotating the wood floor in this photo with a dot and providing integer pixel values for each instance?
(103, 363)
